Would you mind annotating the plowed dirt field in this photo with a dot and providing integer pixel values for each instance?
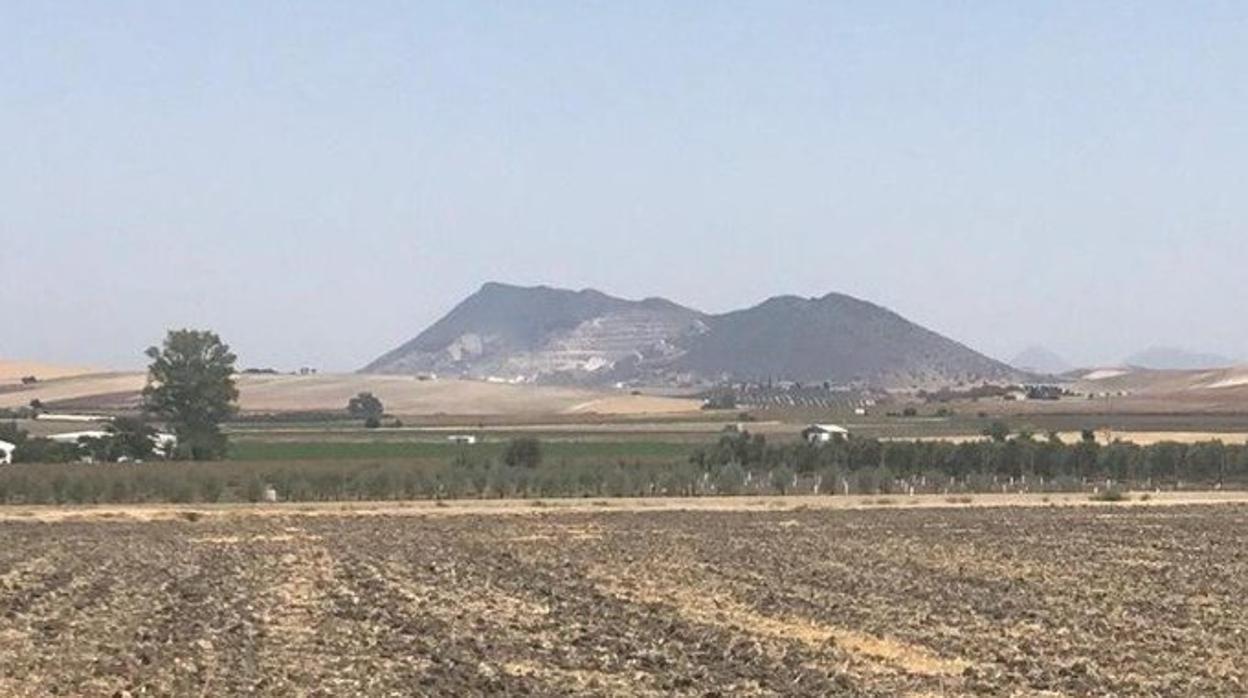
(975, 601)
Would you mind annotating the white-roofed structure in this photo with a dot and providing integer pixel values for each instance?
(74, 436)
(823, 433)
(163, 444)
(6, 452)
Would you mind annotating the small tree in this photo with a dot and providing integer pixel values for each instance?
(782, 479)
(998, 431)
(9, 431)
(41, 450)
(525, 452)
(367, 407)
(191, 386)
(131, 438)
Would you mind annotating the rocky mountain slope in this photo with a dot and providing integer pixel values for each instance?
(546, 334)
(552, 335)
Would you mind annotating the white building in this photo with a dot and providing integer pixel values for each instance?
(73, 437)
(163, 444)
(84, 418)
(462, 439)
(6, 452)
(823, 433)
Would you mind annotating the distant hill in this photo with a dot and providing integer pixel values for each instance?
(1172, 358)
(13, 371)
(543, 334)
(1037, 359)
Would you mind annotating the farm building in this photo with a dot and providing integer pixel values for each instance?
(74, 437)
(57, 417)
(462, 439)
(163, 444)
(823, 433)
(6, 452)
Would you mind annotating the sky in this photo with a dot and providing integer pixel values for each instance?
(319, 181)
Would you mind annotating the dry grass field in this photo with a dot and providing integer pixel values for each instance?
(402, 395)
(600, 600)
(13, 371)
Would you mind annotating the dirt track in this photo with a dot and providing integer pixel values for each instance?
(521, 507)
(885, 601)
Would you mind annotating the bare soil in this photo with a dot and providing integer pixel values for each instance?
(602, 600)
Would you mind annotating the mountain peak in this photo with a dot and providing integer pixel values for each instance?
(549, 334)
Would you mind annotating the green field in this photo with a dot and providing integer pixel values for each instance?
(552, 451)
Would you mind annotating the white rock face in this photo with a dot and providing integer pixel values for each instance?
(468, 346)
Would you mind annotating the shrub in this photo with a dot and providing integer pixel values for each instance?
(1111, 494)
(524, 452)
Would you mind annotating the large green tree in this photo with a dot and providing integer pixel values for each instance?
(367, 407)
(191, 387)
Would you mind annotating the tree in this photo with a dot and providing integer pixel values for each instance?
(9, 431)
(127, 439)
(998, 431)
(525, 452)
(41, 450)
(191, 386)
(367, 407)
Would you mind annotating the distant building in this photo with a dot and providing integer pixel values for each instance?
(74, 437)
(84, 418)
(6, 452)
(468, 439)
(860, 411)
(823, 433)
(163, 445)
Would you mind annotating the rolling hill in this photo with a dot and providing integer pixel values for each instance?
(1176, 359)
(327, 392)
(13, 371)
(1037, 359)
(548, 335)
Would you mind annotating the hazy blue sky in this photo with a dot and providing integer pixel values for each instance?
(318, 181)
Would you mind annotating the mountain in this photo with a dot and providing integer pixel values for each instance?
(544, 334)
(835, 338)
(1173, 358)
(541, 333)
(1037, 359)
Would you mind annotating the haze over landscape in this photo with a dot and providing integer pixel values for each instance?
(1066, 175)
(625, 348)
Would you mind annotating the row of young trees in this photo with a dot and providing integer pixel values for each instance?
(737, 465)
(1020, 458)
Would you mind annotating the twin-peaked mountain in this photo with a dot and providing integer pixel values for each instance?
(550, 335)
